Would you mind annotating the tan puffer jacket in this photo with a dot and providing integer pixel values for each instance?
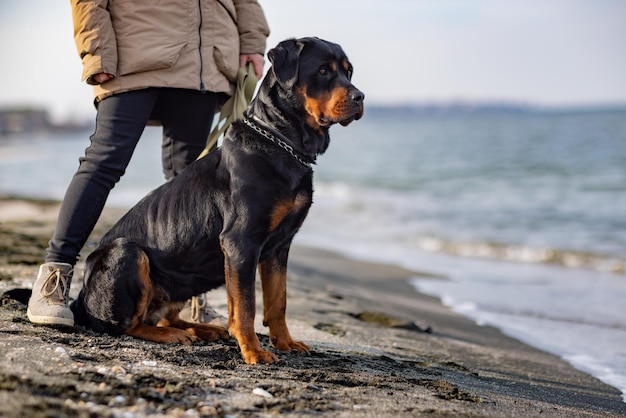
(192, 44)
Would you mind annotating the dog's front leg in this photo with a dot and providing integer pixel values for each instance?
(273, 272)
(239, 270)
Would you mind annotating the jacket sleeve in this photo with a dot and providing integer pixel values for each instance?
(252, 26)
(94, 37)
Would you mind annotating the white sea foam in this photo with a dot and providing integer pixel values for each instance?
(523, 254)
(600, 369)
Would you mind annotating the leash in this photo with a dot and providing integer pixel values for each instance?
(276, 137)
(234, 107)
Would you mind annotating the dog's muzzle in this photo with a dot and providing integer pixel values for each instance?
(356, 99)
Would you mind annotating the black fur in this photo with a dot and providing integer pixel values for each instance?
(217, 215)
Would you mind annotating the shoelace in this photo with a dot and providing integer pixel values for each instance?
(60, 285)
(201, 311)
(197, 304)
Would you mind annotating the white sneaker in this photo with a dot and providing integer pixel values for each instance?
(49, 302)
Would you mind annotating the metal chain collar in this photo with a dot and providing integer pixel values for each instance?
(268, 135)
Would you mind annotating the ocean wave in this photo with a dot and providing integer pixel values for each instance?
(524, 254)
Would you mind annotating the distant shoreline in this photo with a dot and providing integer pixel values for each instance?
(485, 108)
(16, 120)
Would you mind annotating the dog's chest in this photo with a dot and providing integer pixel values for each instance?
(289, 213)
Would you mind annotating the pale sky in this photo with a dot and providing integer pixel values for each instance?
(545, 52)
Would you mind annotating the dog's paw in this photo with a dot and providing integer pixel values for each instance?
(210, 332)
(290, 345)
(258, 356)
(187, 340)
(222, 333)
(162, 335)
(179, 336)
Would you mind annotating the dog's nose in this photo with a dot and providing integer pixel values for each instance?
(357, 96)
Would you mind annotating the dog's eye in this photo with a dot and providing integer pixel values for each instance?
(323, 71)
(350, 74)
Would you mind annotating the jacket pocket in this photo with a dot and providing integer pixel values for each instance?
(149, 59)
(149, 38)
(227, 63)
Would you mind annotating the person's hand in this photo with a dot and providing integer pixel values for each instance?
(257, 61)
(101, 77)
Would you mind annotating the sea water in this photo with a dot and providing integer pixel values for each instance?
(523, 213)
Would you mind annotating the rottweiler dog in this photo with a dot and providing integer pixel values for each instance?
(227, 215)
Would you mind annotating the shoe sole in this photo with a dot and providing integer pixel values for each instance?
(49, 320)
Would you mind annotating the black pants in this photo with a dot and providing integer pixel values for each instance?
(186, 116)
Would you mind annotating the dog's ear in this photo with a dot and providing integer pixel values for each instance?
(285, 58)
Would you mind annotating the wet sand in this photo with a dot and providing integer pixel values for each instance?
(378, 349)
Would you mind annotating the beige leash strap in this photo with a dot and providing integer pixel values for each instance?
(234, 107)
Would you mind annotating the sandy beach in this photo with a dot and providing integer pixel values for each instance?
(378, 349)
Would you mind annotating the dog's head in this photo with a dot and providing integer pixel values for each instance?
(319, 74)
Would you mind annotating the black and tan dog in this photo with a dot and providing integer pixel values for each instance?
(226, 215)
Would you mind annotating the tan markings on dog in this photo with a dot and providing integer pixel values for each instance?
(337, 104)
(280, 212)
(313, 107)
(204, 332)
(160, 334)
(241, 318)
(138, 327)
(241, 325)
(143, 274)
(333, 105)
(346, 65)
(274, 285)
(284, 208)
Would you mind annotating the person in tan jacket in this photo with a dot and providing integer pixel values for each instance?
(172, 61)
